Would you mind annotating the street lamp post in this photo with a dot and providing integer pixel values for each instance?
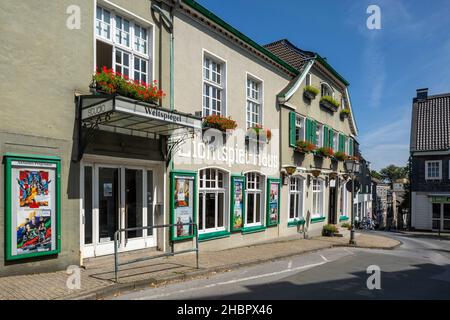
(352, 167)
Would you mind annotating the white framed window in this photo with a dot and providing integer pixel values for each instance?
(115, 36)
(254, 102)
(343, 201)
(103, 23)
(213, 87)
(326, 90)
(140, 69)
(433, 170)
(122, 31)
(254, 204)
(319, 135)
(308, 79)
(296, 198)
(140, 39)
(300, 128)
(335, 141)
(212, 200)
(317, 198)
(342, 103)
(122, 62)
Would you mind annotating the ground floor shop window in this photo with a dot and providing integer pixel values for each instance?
(441, 216)
(296, 198)
(254, 199)
(212, 203)
(318, 192)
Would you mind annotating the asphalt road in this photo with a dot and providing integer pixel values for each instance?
(418, 269)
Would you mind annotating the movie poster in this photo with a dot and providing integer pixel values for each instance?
(238, 204)
(33, 207)
(273, 203)
(183, 206)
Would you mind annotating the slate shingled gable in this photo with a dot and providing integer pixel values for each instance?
(431, 123)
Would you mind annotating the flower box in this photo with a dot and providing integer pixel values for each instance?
(329, 103)
(219, 122)
(324, 152)
(310, 92)
(304, 147)
(259, 134)
(344, 114)
(340, 156)
(110, 82)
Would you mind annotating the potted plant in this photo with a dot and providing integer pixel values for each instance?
(329, 230)
(110, 82)
(329, 103)
(346, 225)
(310, 92)
(304, 146)
(219, 122)
(340, 156)
(324, 152)
(345, 114)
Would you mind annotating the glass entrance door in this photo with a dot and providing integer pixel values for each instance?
(108, 203)
(116, 197)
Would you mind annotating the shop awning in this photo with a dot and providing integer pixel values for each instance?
(127, 116)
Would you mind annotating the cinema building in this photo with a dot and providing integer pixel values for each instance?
(90, 144)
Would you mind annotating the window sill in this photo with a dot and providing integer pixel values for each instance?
(317, 220)
(343, 218)
(253, 229)
(213, 235)
(296, 223)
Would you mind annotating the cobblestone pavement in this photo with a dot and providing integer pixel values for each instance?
(98, 275)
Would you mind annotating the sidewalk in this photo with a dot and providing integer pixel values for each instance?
(97, 277)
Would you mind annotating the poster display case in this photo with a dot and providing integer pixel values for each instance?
(183, 207)
(273, 202)
(32, 206)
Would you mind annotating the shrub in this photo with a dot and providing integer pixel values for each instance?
(346, 225)
(219, 122)
(329, 230)
(312, 89)
(325, 152)
(305, 146)
(330, 100)
(345, 112)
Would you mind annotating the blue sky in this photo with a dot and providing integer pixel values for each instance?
(384, 67)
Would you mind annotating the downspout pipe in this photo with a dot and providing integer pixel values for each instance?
(169, 22)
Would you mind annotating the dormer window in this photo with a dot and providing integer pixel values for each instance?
(326, 90)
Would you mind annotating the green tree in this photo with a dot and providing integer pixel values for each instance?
(375, 174)
(392, 173)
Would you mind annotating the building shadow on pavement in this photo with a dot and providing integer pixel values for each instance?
(425, 281)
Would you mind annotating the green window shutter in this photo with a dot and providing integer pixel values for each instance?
(341, 143)
(350, 147)
(313, 132)
(331, 140)
(292, 118)
(308, 130)
(326, 137)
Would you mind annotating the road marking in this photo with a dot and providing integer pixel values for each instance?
(323, 257)
(212, 285)
(290, 265)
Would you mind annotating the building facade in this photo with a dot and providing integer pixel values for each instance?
(147, 113)
(314, 134)
(430, 162)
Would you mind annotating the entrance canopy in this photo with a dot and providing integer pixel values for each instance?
(127, 116)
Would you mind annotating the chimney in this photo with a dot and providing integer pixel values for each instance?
(422, 94)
